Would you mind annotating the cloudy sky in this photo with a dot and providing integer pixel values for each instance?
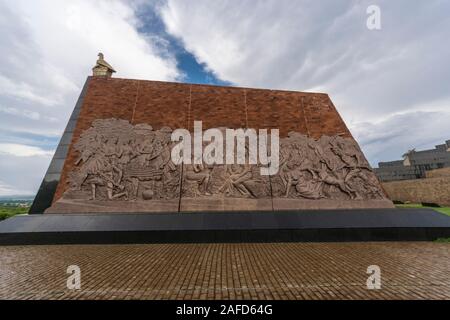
(391, 85)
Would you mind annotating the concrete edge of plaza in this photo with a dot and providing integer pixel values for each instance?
(227, 227)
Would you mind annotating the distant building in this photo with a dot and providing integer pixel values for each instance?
(415, 164)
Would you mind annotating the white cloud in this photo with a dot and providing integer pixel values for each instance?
(372, 76)
(393, 136)
(21, 175)
(33, 115)
(6, 190)
(23, 90)
(48, 48)
(20, 150)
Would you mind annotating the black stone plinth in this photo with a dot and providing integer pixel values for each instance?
(292, 226)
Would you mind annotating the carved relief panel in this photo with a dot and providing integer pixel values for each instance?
(120, 163)
(328, 168)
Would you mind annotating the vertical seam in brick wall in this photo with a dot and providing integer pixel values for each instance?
(135, 101)
(246, 108)
(271, 191)
(302, 106)
(181, 187)
(182, 165)
(189, 108)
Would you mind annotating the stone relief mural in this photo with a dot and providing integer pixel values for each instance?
(119, 161)
(328, 168)
(233, 181)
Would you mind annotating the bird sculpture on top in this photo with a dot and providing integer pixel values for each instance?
(102, 68)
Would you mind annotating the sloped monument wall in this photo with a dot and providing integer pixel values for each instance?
(119, 156)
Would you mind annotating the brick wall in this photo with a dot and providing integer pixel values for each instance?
(178, 105)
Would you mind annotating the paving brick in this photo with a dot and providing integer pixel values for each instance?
(227, 271)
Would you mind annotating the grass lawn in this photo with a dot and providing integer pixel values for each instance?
(444, 210)
(8, 211)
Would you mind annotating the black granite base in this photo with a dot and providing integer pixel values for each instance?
(292, 226)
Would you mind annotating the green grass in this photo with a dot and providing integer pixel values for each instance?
(8, 211)
(444, 210)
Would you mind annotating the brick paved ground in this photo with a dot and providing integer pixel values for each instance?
(227, 271)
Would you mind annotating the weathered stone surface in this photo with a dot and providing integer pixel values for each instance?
(432, 190)
(124, 167)
(120, 163)
(330, 172)
(438, 173)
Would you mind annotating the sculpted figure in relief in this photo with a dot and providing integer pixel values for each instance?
(119, 161)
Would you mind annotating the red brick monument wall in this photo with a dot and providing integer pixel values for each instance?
(338, 175)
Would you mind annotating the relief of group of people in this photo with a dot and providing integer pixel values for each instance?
(331, 167)
(124, 161)
(120, 161)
